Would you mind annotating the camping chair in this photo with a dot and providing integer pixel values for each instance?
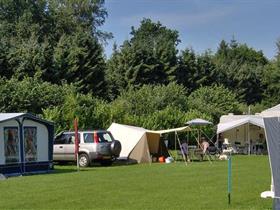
(213, 151)
(180, 153)
(199, 151)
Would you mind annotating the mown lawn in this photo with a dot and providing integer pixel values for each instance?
(200, 185)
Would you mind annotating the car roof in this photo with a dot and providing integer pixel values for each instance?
(86, 131)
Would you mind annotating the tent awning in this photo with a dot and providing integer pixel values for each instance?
(180, 129)
(222, 127)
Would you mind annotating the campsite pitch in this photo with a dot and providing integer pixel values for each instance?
(200, 185)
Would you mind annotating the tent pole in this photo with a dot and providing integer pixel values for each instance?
(149, 155)
(176, 155)
(199, 134)
(181, 148)
(249, 149)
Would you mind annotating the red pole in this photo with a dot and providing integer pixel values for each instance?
(76, 142)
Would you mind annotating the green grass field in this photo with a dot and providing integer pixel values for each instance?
(200, 185)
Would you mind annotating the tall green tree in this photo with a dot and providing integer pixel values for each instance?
(240, 68)
(271, 80)
(196, 71)
(149, 57)
(79, 59)
(187, 69)
(61, 39)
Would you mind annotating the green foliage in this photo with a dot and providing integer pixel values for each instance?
(79, 60)
(149, 57)
(240, 69)
(29, 95)
(52, 62)
(74, 106)
(59, 39)
(150, 99)
(169, 117)
(271, 82)
(196, 71)
(187, 68)
(214, 101)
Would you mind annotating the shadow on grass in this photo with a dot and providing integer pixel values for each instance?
(69, 167)
(63, 170)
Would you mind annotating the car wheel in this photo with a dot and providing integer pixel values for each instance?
(83, 160)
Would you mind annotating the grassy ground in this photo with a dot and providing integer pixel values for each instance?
(200, 185)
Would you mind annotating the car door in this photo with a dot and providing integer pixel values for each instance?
(58, 147)
(69, 147)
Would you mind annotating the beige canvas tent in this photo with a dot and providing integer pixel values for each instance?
(139, 143)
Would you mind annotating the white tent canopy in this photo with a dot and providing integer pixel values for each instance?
(245, 133)
(228, 122)
(138, 143)
(272, 112)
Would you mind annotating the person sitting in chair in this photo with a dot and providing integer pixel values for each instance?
(204, 146)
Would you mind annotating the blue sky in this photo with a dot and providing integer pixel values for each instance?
(201, 24)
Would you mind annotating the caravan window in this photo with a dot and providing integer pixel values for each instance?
(30, 143)
(11, 142)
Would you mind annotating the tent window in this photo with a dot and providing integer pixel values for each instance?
(30, 144)
(11, 142)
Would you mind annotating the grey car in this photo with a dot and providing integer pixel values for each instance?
(94, 146)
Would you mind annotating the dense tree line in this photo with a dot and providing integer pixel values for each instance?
(52, 63)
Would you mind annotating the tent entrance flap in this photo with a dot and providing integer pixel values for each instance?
(153, 142)
(140, 152)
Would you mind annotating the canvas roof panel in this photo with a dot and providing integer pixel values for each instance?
(8, 116)
(230, 124)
